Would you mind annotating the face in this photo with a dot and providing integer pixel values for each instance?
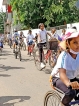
(21, 32)
(42, 26)
(74, 44)
(53, 31)
(30, 32)
(63, 31)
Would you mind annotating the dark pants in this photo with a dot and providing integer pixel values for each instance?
(69, 93)
(40, 46)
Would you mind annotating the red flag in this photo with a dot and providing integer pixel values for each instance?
(9, 8)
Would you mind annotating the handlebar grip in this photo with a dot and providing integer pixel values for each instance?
(69, 87)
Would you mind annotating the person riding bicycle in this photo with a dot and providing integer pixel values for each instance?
(1, 42)
(30, 39)
(42, 39)
(15, 39)
(55, 35)
(64, 75)
(9, 37)
(21, 37)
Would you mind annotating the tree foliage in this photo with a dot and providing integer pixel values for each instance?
(2, 20)
(51, 12)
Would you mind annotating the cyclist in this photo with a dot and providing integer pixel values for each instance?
(9, 37)
(63, 33)
(30, 39)
(55, 35)
(64, 74)
(15, 39)
(1, 42)
(21, 37)
(42, 39)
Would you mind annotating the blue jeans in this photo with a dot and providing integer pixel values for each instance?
(1, 44)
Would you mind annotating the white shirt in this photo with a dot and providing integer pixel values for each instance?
(30, 37)
(9, 36)
(55, 35)
(15, 35)
(42, 34)
(70, 64)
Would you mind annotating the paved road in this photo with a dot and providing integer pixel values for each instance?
(21, 84)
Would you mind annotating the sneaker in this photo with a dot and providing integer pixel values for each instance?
(42, 65)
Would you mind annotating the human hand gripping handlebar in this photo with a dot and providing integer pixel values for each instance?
(74, 85)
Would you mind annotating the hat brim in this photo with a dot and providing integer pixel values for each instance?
(62, 44)
(73, 35)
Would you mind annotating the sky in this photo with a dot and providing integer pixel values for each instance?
(1, 6)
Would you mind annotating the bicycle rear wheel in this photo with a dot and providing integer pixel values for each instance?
(52, 98)
(20, 56)
(15, 55)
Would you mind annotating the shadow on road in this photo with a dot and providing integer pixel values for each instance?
(26, 60)
(3, 58)
(6, 54)
(12, 100)
(6, 68)
(47, 71)
(4, 75)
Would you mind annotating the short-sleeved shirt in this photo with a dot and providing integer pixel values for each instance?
(55, 35)
(70, 64)
(30, 37)
(15, 35)
(9, 36)
(43, 34)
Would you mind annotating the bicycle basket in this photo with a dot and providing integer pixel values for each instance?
(53, 45)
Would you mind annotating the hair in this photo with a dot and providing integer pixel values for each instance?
(74, 27)
(68, 40)
(40, 25)
(29, 31)
(63, 30)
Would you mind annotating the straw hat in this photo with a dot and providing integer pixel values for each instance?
(70, 33)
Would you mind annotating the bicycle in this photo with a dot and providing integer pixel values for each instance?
(10, 43)
(31, 47)
(50, 55)
(0, 51)
(54, 97)
(18, 52)
(22, 45)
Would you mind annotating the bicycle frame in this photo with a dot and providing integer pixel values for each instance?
(74, 102)
(47, 55)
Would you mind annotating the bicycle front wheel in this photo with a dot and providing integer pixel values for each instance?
(36, 58)
(52, 98)
(24, 46)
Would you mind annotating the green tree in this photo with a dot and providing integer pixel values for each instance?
(2, 19)
(51, 12)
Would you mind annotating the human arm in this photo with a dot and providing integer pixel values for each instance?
(49, 34)
(66, 80)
